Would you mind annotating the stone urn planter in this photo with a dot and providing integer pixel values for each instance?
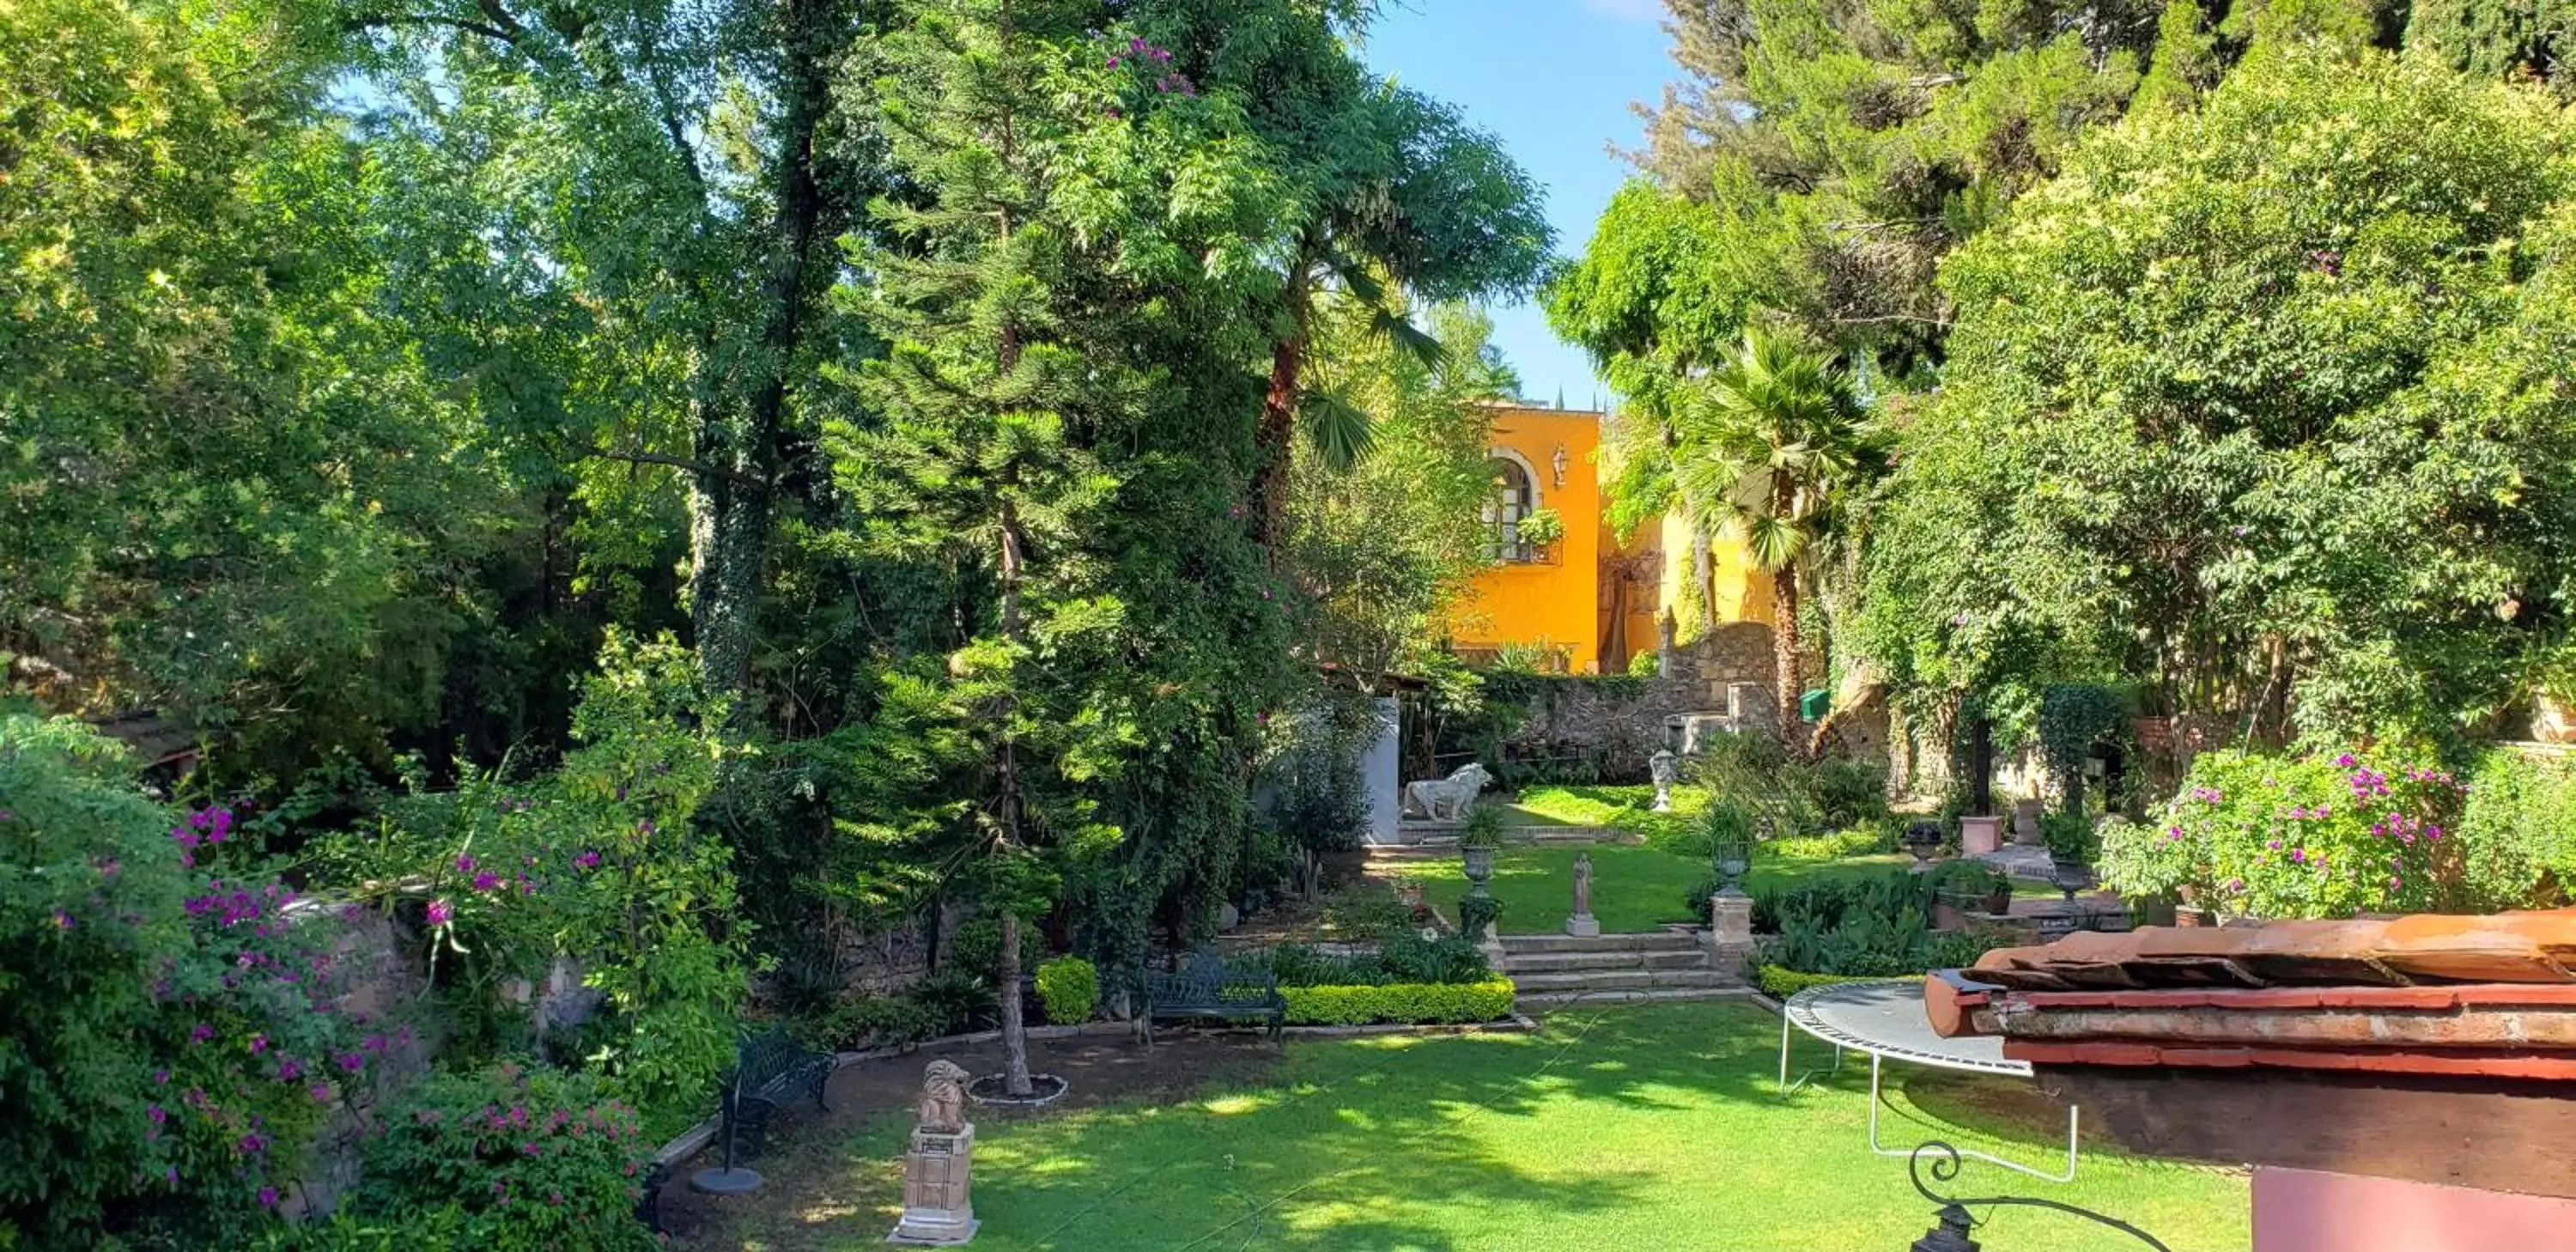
(2069, 874)
(1979, 835)
(1480, 863)
(2025, 817)
(2551, 721)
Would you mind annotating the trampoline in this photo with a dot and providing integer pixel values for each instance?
(1885, 1021)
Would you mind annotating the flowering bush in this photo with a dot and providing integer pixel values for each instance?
(597, 864)
(2316, 836)
(169, 1036)
(514, 1159)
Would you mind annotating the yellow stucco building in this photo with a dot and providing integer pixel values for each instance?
(1584, 599)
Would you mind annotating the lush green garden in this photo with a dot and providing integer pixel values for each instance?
(536, 540)
(1613, 1127)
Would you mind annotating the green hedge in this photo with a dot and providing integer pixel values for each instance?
(1400, 1002)
(1785, 983)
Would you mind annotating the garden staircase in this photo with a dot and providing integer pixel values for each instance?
(1664, 965)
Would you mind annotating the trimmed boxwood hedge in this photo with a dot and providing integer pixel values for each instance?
(1399, 1002)
(1785, 983)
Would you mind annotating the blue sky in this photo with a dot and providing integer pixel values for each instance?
(1553, 79)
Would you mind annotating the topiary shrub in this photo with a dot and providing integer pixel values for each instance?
(513, 1159)
(1399, 1002)
(1784, 983)
(1070, 988)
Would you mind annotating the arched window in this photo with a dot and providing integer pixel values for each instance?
(1514, 497)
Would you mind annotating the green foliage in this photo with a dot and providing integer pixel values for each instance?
(1069, 986)
(2075, 720)
(976, 946)
(956, 1001)
(1476, 913)
(2204, 456)
(1483, 827)
(1399, 1002)
(1965, 879)
(231, 487)
(2517, 833)
(1400, 956)
(2281, 836)
(859, 1022)
(515, 1159)
(2070, 836)
(168, 1033)
(1861, 927)
(1782, 983)
(599, 863)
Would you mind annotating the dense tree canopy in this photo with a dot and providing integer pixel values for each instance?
(2266, 402)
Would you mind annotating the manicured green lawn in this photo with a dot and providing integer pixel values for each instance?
(1644, 1129)
(1626, 807)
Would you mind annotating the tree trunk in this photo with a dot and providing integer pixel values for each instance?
(1704, 580)
(1007, 811)
(1784, 655)
(1015, 1032)
(738, 451)
(1278, 432)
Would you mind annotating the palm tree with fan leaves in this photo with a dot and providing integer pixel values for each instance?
(1771, 450)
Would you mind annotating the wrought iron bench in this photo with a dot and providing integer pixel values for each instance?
(767, 1070)
(1205, 987)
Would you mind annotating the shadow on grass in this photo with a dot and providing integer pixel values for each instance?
(1633, 1127)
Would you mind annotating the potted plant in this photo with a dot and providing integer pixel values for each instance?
(1962, 887)
(2072, 845)
(1923, 839)
(1540, 528)
(1477, 839)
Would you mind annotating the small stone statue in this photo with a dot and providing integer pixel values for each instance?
(1664, 767)
(943, 1098)
(938, 1172)
(1582, 924)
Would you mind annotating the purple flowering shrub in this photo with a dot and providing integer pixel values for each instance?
(597, 865)
(169, 1038)
(2322, 835)
(511, 1158)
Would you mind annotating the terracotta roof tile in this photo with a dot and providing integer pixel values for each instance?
(2426, 948)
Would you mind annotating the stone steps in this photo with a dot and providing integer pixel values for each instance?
(1621, 979)
(1623, 958)
(1654, 941)
(1655, 965)
(1630, 995)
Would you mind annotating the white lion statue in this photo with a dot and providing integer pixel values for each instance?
(1446, 799)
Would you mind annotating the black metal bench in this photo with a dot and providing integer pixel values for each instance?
(767, 1070)
(1205, 987)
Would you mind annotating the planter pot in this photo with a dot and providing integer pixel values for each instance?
(1980, 834)
(1999, 902)
(1947, 915)
(2069, 875)
(2552, 722)
(1480, 864)
(2026, 821)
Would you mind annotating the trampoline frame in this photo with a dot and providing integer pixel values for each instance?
(1800, 1011)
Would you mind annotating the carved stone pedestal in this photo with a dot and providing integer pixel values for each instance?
(1730, 933)
(937, 1211)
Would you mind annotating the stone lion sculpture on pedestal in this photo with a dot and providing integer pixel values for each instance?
(943, 1098)
(1446, 799)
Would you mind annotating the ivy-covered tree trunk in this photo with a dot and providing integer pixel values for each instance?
(738, 453)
